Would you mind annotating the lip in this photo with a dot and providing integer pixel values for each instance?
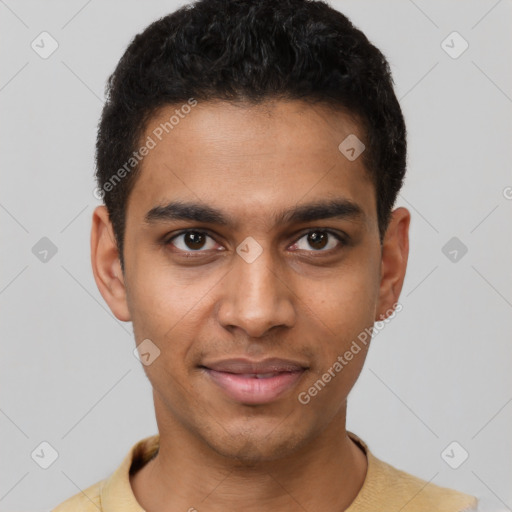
(254, 382)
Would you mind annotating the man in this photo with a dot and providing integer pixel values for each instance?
(250, 154)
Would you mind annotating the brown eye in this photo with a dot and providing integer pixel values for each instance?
(319, 241)
(191, 241)
(194, 240)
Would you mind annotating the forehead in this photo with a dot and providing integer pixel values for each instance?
(247, 160)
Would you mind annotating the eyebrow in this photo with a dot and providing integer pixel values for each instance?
(178, 210)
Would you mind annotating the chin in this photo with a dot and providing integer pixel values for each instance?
(251, 446)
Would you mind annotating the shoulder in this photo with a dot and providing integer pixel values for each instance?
(387, 488)
(114, 492)
(421, 494)
(88, 500)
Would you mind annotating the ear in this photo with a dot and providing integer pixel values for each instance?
(395, 251)
(106, 265)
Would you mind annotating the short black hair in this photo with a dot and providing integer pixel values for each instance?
(250, 51)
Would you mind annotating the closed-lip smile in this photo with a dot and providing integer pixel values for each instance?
(254, 382)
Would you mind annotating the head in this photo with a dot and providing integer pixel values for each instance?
(250, 154)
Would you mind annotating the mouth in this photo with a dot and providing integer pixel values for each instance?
(254, 382)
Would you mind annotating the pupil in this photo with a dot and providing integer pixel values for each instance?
(317, 239)
(194, 240)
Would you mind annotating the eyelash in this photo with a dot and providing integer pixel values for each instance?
(342, 239)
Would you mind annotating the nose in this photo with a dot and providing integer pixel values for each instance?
(256, 297)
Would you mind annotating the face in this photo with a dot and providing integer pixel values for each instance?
(252, 261)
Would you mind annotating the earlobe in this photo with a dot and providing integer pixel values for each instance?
(395, 252)
(106, 264)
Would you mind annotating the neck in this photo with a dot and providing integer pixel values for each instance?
(325, 474)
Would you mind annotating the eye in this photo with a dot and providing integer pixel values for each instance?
(319, 240)
(192, 241)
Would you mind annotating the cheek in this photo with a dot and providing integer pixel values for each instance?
(161, 301)
(343, 304)
(336, 325)
(170, 308)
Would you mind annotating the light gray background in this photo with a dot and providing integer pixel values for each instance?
(439, 372)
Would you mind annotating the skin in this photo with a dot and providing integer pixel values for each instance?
(295, 301)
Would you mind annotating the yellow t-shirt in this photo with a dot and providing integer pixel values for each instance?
(385, 488)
